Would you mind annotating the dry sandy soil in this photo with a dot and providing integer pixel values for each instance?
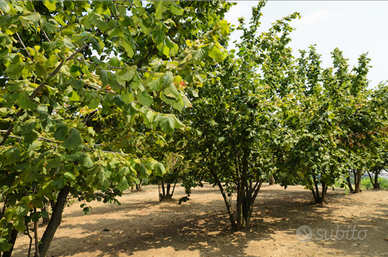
(143, 226)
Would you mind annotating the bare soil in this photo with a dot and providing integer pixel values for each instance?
(143, 226)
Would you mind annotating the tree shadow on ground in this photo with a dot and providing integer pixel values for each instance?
(204, 229)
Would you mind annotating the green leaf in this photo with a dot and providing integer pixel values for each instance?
(49, 27)
(12, 155)
(224, 28)
(93, 103)
(5, 6)
(128, 48)
(4, 245)
(160, 8)
(104, 75)
(37, 203)
(25, 102)
(35, 17)
(144, 98)
(18, 223)
(69, 176)
(143, 172)
(22, 210)
(31, 137)
(30, 175)
(50, 5)
(123, 185)
(176, 9)
(59, 183)
(216, 54)
(103, 178)
(200, 54)
(159, 169)
(61, 131)
(88, 163)
(167, 124)
(73, 140)
(127, 97)
(74, 96)
(126, 74)
(28, 126)
(156, 84)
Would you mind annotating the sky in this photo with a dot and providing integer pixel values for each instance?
(355, 27)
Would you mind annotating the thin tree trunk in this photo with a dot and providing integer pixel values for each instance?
(376, 185)
(357, 182)
(371, 180)
(55, 221)
(349, 184)
(227, 203)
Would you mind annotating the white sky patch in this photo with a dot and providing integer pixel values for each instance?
(317, 18)
(355, 27)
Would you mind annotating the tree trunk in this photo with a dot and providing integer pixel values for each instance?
(12, 241)
(55, 221)
(319, 198)
(376, 185)
(349, 184)
(271, 180)
(227, 203)
(357, 180)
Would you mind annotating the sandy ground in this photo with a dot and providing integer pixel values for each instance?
(143, 226)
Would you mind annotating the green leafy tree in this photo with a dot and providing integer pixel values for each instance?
(232, 119)
(78, 80)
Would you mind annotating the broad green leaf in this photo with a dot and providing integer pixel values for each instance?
(59, 183)
(28, 126)
(144, 98)
(200, 54)
(104, 75)
(128, 48)
(123, 185)
(143, 172)
(61, 132)
(93, 103)
(159, 169)
(156, 84)
(216, 54)
(5, 6)
(224, 28)
(73, 140)
(160, 7)
(127, 97)
(30, 175)
(31, 137)
(74, 96)
(35, 17)
(102, 178)
(49, 27)
(69, 176)
(4, 245)
(88, 163)
(176, 9)
(167, 124)
(12, 155)
(18, 223)
(37, 203)
(126, 74)
(50, 5)
(25, 102)
(22, 210)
